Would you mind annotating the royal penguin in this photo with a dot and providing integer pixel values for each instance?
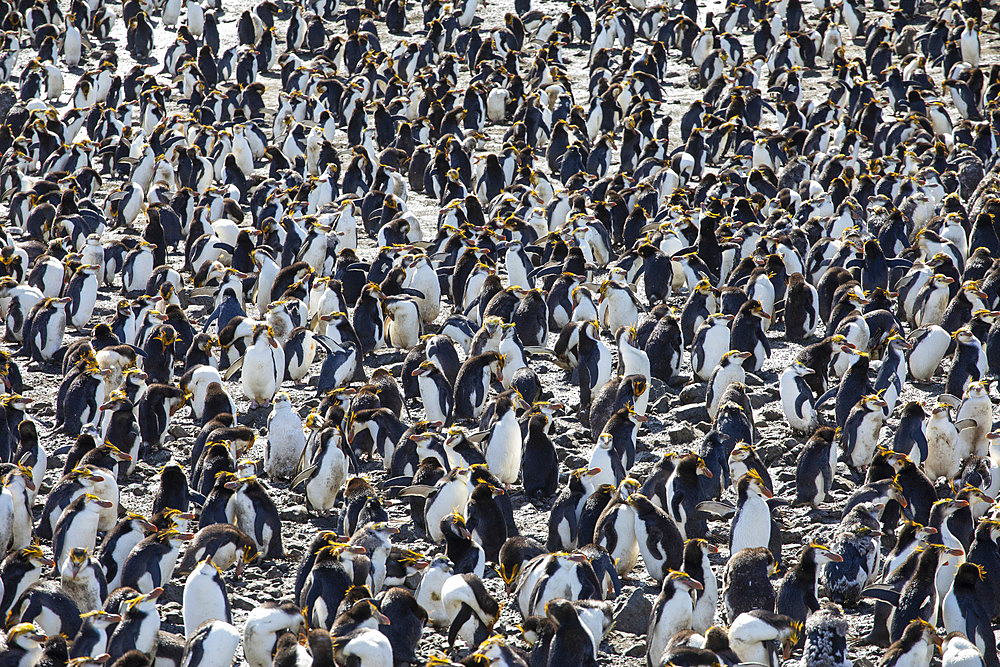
(286, 439)
(264, 625)
(672, 612)
(503, 445)
(428, 591)
(470, 609)
(213, 643)
(756, 635)
(816, 468)
(257, 515)
(139, 626)
(797, 591)
(326, 473)
(151, 563)
(797, 399)
(928, 345)
(916, 646)
(262, 367)
(730, 370)
(77, 527)
(615, 529)
(83, 580)
(435, 392)
(24, 645)
(205, 597)
(472, 384)
(711, 342)
(860, 433)
(92, 639)
(683, 493)
(119, 542)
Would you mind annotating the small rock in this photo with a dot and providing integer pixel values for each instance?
(691, 413)
(636, 650)
(242, 603)
(753, 380)
(173, 618)
(633, 617)
(8, 98)
(657, 389)
(681, 434)
(295, 513)
(177, 430)
(769, 452)
(573, 461)
(693, 393)
(772, 414)
(662, 405)
(758, 400)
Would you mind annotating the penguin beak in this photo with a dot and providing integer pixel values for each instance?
(383, 619)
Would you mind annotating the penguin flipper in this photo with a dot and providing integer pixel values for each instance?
(830, 393)
(948, 399)
(463, 615)
(303, 476)
(716, 508)
(421, 490)
(409, 291)
(233, 368)
(213, 317)
(396, 482)
(329, 344)
(196, 498)
(883, 593)
(478, 436)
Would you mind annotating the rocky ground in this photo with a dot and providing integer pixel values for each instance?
(678, 418)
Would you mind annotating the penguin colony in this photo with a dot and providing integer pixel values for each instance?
(491, 318)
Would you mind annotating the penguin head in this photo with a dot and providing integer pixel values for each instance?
(734, 358)
(100, 619)
(684, 582)
(76, 561)
(703, 545)
(26, 636)
(874, 402)
(822, 553)
(33, 554)
(140, 523)
(751, 482)
(144, 602)
(23, 474)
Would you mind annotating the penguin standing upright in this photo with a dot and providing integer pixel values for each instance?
(672, 612)
(285, 439)
(205, 597)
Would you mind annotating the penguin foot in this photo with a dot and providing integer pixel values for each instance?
(253, 405)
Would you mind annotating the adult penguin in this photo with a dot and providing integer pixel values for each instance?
(540, 467)
(683, 493)
(796, 594)
(748, 334)
(472, 384)
(406, 622)
(965, 610)
(672, 613)
(801, 312)
(573, 643)
(205, 597)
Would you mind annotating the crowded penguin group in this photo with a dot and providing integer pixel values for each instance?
(545, 333)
